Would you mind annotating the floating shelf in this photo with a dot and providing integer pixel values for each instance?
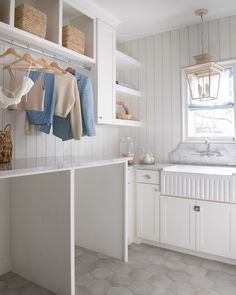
(125, 92)
(125, 62)
(128, 123)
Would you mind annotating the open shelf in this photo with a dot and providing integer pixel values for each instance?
(128, 123)
(41, 44)
(72, 16)
(52, 10)
(5, 9)
(59, 13)
(125, 92)
(125, 62)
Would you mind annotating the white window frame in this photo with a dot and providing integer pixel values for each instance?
(185, 137)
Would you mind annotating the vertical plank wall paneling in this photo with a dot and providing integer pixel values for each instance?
(159, 79)
(159, 109)
(105, 144)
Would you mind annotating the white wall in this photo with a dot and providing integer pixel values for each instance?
(159, 79)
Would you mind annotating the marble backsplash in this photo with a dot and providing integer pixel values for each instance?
(204, 154)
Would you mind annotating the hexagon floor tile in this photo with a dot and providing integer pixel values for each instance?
(150, 271)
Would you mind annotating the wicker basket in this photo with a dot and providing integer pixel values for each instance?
(6, 146)
(31, 20)
(123, 115)
(73, 39)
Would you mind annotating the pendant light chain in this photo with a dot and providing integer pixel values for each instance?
(202, 34)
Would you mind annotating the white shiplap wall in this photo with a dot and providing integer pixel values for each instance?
(105, 144)
(159, 79)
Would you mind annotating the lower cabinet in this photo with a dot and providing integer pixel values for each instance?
(148, 211)
(204, 226)
(177, 222)
(213, 228)
(208, 227)
(131, 206)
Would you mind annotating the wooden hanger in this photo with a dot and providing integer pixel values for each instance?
(56, 66)
(10, 51)
(25, 57)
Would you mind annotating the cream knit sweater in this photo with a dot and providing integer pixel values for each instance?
(67, 101)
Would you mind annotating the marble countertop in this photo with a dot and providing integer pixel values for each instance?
(20, 167)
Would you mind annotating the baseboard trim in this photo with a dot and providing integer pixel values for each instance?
(5, 266)
(186, 251)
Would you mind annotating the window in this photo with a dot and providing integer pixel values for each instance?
(212, 119)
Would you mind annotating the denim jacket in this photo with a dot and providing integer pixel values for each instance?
(45, 117)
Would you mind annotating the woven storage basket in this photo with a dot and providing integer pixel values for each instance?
(123, 115)
(31, 20)
(6, 146)
(73, 39)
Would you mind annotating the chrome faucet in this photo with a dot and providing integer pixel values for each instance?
(207, 152)
(208, 147)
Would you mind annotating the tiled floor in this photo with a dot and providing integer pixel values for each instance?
(152, 271)
(12, 284)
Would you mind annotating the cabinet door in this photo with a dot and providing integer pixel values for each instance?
(105, 73)
(177, 222)
(233, 231)
(213, 228)
(131, 206)
(148, 211)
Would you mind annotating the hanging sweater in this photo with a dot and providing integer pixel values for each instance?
(67, 101)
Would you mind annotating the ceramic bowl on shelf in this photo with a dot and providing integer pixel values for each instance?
(147, 159)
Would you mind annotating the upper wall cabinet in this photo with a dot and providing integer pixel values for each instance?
(59, 13)
(106, 41)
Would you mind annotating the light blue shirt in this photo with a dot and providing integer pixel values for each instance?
(45, 117)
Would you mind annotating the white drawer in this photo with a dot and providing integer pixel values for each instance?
(147, 176)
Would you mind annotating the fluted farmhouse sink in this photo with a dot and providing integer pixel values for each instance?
(214, 170)
(200, 182)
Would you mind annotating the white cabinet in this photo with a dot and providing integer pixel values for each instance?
(177, 222)
(131, 206)
(213, 228)
(148, 211)
(233, 231)
(207, 227)
(105, 73)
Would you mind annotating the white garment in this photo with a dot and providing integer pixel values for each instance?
(15, 96)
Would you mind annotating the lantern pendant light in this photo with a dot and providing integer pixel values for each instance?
(204, 77)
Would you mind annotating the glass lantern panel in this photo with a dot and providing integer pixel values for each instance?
(214, 84)
(199, 84)
(203, 85)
